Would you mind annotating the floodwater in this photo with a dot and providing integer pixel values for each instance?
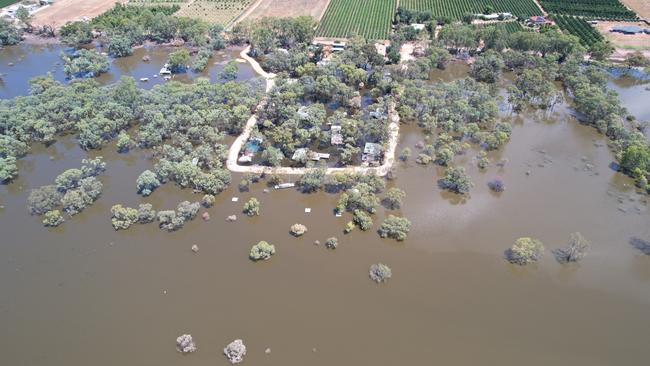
(20, 63)
(86, 294)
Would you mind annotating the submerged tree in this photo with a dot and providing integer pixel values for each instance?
(394, 197)
(261, 251)
(380, 272)
(147, 182)
(252, 207)
(456, 180)
(395, 227)
(53, 218)
(525, 251)
(575, 251)
(85, 63)
(123, 217)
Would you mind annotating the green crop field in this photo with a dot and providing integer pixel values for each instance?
(601, 9)
(4, 3)
(580, 28)
(368, 18)
(457, 8)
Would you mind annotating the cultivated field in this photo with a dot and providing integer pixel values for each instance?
(215, 11)
(289, 8)
(580, 28)
(368, 18)
(4, 3)
(63, 11)
(601, 9)
(625, 41)
(457, 8)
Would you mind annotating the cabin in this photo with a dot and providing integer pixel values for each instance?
(628, 29)
(418, 26)
(539, 20)
(371, 154)
(338, 46)
(304, 154)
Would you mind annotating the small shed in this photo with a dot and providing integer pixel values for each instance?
(627, 29)
(371, 153)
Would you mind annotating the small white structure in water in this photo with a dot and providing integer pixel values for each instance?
(235, 199)
(165, 70)
(144, 80)
(285, 185)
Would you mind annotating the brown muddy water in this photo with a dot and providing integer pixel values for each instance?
(20, 63)
(86, 294)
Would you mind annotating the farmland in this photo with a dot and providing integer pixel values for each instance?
(457, 8)
(4, 3)
(213, 11)
(370, 19)
(580, 28)
(600, 9)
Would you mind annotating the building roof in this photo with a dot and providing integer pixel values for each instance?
(372, 149)
(632, 29)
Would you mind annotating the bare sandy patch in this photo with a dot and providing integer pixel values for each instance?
(639, 41)
(63, 11)
(289, 8)
(641, 7)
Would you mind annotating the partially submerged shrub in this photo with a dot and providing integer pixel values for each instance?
(185, 344)
(53, 218)
(262, 251)
(123, 217)
(169, 221)
(497, 185)
(394, 197)
(188, 210)
(298, 229)
(362, 220)
(331, 243)
(146, 213)
(395, 227)
(208, 200)
(252, 207)
(349, 227)
(456, 180)
(575, 251)
(525, 251)
(43, 199)
(380, 272)
(147, 182)
(235, 351)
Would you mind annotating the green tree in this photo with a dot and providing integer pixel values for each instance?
(261, 251)
(456, 180)
(123, 217)
(252, 207)
(487, 67)
(147, 182)
(395, 227)
(394, 197)
(178, 60)
(53, 218)
(362, 219)
(525, 251)
(120, 46)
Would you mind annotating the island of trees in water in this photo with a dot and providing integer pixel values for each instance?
(337, 104)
